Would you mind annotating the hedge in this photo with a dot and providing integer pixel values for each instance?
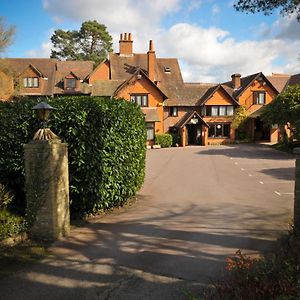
(106, 139)
(163, 139)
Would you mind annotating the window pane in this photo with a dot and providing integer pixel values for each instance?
(222, 111)
(211, 130)
(229, 110)
(145, 100)
(132, 99)
(214, 110)
(261, 98)
(219, 130)
(29, 82)
(207, 111)
(25, 82)
(71, 83)
(226, 131)
(138, 99)
(35, 82)
(150, 131)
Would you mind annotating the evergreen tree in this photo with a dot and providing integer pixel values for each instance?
(91, 42)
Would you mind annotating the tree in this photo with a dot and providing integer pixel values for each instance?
(6, 35)
(284, 110)
(91, 42)
(286, 7)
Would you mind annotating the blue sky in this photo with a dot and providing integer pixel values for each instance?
(210, 39)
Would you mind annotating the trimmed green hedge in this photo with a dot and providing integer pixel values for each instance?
(163, 139)
(106, 139)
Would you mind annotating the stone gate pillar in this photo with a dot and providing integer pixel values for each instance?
(297, 191)
(47, 188)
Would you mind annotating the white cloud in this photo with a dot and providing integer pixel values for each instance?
(211, 54)
(43, 51)
(205, 54)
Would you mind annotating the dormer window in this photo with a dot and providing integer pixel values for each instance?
(31, 82)
(259, 97)
(167, 69)
(70, 83)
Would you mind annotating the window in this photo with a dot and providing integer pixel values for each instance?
(219, 130)
(218, 110)
(141, 100)
(70, 83)
(167, 69)
(150, 131)
(259, 98)
(173, 111)
(31, 82)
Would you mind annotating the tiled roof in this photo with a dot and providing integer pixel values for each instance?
(123, 67)
(294, 79)
(151, 114)
(105, 87)
(245, 82)
(279, 81)
(45, 66)
(189, 94)
(187, 117)
(54, 70)
(81, 69)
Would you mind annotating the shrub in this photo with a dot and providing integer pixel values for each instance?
(10, 224)
(274, 276)
(163, 139)
(106, 139)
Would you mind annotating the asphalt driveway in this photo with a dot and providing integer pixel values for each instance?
(197, 207)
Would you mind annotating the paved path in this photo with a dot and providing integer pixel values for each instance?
(198, 206)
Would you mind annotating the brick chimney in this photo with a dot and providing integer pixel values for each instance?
(151, 58)
(125, 44)
(236, 80)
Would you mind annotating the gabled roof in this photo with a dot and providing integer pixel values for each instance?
(36, 70)
(246, 82)
(187, 117)
(279, 81)
(44, 66)
(170, 83)
(134, 77)
(209, 93)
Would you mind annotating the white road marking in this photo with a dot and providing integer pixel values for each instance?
(250, 175)
(235, 163)
(261, 182)
(242, 169)
(279, 194)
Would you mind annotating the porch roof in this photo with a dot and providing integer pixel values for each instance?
(151, 114)
(187, 117)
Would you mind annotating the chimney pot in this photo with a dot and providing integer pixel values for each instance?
(151, 46)
(125, 44)
(236, 80)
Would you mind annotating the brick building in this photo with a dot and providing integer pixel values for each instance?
(201, 113)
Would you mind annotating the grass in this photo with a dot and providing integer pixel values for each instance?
(19, 257)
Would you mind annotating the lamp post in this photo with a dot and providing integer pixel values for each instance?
(43, 111)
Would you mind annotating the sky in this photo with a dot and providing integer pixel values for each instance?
(210, 38)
